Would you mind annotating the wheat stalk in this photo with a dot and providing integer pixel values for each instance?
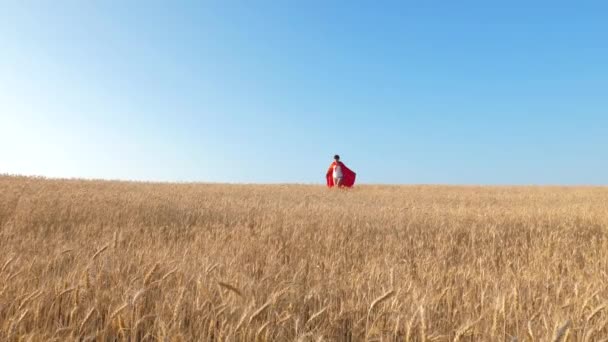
(529, 331)
(168, 274)
(86, 319)
(115, 240)
(241, 320)
(260, 330)
(150, 273)
(381, 299)
(140, 322)
(118, 310)
(14, 324)
(29, 298)
(422, 325)
(561, 332)
(64, 292)
(231, 288)
(101, 250)
(595, 312)
(315, 315)
(6, 264)
(464, 330)
(259, 311)
(178, 303)
(138, 294)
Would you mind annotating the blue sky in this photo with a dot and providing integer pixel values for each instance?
(467, 92)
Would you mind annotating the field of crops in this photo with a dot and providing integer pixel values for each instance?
(106, 261)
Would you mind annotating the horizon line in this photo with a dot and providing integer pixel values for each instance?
(202, 182)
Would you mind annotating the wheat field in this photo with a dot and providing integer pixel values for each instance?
(127, 261)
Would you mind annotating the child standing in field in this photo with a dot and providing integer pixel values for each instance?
(339, 175)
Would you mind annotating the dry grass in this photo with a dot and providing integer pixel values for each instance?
(94, 260)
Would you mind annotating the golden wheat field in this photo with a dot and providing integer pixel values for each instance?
(125, 261)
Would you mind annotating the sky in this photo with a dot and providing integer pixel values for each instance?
(407, 92)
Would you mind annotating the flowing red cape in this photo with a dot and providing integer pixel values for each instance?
(348, 179)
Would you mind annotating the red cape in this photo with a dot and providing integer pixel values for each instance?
(348, 179)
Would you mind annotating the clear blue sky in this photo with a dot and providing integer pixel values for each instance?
(459, 92)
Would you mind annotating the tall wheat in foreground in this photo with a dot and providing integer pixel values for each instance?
(117, 261)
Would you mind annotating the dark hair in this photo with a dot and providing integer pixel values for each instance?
(336, 157)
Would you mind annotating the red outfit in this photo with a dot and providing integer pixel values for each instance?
(348, 176)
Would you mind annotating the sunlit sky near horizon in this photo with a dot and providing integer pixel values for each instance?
(434, 92)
